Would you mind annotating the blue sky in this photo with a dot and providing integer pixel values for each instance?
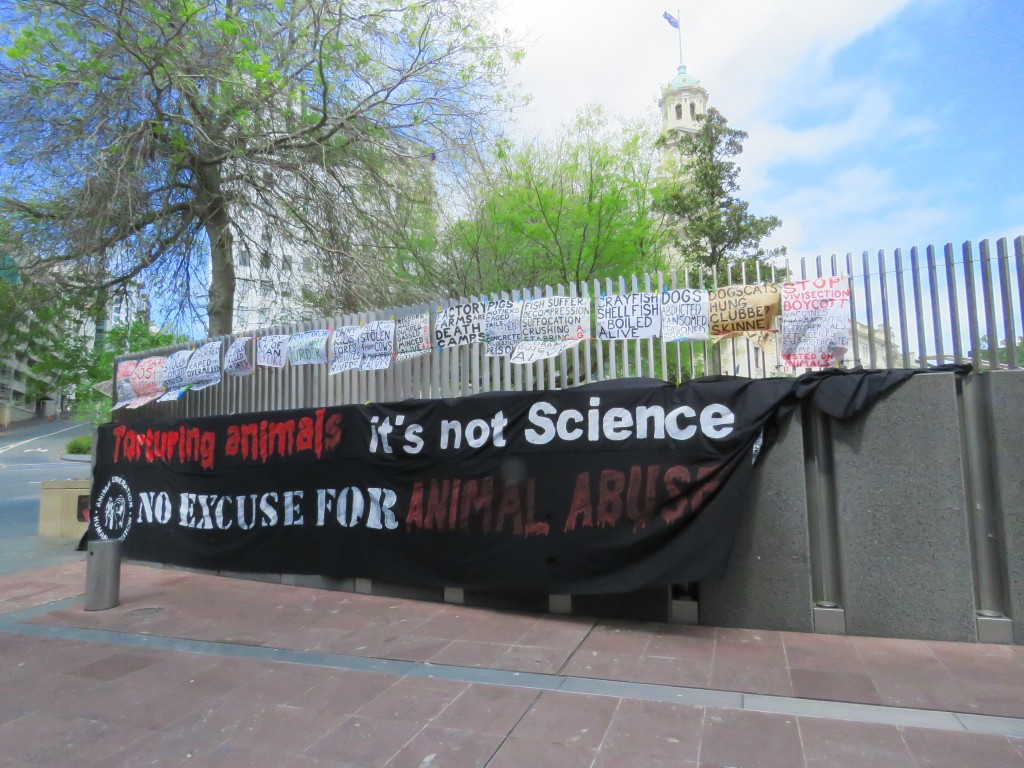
(874, 124)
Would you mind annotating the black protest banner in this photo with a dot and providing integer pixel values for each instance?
(601, 488)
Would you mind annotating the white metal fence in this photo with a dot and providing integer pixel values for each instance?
(924, 308)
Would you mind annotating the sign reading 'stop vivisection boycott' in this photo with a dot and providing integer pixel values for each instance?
(603, 488)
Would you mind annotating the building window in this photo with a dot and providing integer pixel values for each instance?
(693, 111)
(286, 262)
(265, 259)
(243, 257)
(266, 287)
(679, 111)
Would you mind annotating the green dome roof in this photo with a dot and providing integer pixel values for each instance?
(683, 80)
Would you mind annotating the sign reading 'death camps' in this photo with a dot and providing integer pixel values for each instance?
(815, 322)
(345, 349)
(461, 324)
(738, 309)
(175, 372)
(628, 316)
(236, 361)
(272, 351)
(502, 326)
(308, 347)
(412, 337)
(684, 314)
(551, 325)
(608, 487)
(204, 366)
(376, 342)
(123, 383)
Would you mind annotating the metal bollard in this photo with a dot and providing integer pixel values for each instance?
(102, 575)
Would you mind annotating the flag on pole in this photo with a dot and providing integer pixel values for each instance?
(672, 20)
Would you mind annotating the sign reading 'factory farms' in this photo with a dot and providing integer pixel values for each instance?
(607, 487)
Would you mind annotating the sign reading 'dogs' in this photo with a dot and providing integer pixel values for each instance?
(608, 487)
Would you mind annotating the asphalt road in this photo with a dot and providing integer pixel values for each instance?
(30, 454)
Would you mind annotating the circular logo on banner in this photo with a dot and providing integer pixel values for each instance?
(112, 516)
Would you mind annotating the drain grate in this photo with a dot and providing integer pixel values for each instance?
(145, 611)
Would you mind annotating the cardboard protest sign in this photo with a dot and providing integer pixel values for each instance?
(461, 324)
(176, 368)
(204, 366)
(412, 336)
(502, 326)
(558, 322)
(345, 349)
(236, 361)
(628, 316)
(123, 384)
(815, 322)
(740, 309)
(376, 345)
(272, 351)
(684, 314)
(308, 347)
(148, 376)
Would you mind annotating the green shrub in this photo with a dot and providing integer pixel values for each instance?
(80, 445)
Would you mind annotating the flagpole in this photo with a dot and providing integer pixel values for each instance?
(679, 29)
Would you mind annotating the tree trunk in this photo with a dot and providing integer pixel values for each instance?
(217, 220)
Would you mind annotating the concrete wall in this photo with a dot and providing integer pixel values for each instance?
(768, 584)
(1006, 400)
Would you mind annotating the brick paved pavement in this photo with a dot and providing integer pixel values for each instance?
(199, 670)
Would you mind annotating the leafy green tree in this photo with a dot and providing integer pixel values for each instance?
(567, 211)
(162, 137)
(90, 403)
(711, 226)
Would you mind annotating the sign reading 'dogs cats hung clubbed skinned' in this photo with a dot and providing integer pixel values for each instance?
(607, 487)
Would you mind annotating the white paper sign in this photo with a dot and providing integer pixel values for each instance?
(345, 349)
(815, 322)
(684, 314)
(308, 347)
(236, 361)
(123, 383)
(175, 369)
(376, 343)
(502, 324)
(461, 324)
(628, 316)
(204, 366)
(412, 336)
(560, 322)
(148, 376)
(272, 351)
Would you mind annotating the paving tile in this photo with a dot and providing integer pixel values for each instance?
(751, 667)
(86, 743)
(604, 664)
(555, 632)
(682, 645)
(412, 699)
(447, 748)
(488, 709)
(657, 729)
(281, 684)
(824, 653)
(834, 686)
(286, 730)
(948, 749)
(527, 658)
(525, 753)
(768, 740)
(749, 636)
(115, 666)
(910, 687)
(829, 743)
(685, 672)
(622, 638)
(468, 653)
(344, 691)
(366, 742)
(994, 698)
(609, 758)
(567, 718)
(501, 628)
